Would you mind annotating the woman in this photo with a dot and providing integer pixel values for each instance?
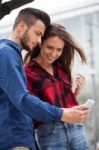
(49, 77)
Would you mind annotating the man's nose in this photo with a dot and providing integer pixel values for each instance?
(39, 40)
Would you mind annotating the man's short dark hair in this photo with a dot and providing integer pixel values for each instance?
(30, 15)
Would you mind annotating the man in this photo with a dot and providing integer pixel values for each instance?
(17, 106)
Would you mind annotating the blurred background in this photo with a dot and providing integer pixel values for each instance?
(81, 18)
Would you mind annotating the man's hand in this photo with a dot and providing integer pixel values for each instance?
(76, 114)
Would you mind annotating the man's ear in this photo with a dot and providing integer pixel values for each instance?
(22, 26)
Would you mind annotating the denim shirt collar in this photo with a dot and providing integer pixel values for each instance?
(17, 46)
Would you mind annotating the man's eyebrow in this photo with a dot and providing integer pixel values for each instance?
(40, 32)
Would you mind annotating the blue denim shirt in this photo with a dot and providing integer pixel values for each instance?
(17, 106)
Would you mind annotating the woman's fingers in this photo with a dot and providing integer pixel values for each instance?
(80, 81)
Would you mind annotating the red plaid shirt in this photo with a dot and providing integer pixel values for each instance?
(55, 89)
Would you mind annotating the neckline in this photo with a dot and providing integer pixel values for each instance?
(44, 68)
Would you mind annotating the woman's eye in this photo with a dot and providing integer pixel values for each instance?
(49, 47)
(59, 50)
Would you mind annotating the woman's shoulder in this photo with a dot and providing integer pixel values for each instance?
(31, 66)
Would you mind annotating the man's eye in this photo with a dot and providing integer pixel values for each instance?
(38, 34)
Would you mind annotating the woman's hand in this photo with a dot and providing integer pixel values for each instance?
(79, 84)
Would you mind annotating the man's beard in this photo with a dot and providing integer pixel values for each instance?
(24, 41)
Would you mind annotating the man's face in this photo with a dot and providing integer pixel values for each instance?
(32, 36)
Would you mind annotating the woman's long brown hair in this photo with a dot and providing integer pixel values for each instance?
(70, 48)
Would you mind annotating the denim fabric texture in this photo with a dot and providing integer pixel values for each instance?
(61, 137)
(20, 148)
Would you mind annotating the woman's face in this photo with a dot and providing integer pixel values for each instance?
(51, 49)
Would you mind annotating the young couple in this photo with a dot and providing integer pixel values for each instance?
(51, 103)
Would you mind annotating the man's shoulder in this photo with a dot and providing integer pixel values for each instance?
(7, 54)
(4, 45)
(5, 48)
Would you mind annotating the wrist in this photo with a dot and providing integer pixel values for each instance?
(64, 117)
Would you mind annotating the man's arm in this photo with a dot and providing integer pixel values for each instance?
(13, 85)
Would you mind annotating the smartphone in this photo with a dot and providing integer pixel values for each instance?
(89, 103)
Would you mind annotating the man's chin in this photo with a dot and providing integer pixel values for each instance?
(29, 49)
